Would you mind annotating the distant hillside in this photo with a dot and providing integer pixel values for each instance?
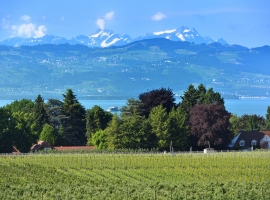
(125, 71)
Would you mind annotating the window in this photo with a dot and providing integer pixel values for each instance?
(253, 143)
(242, 143)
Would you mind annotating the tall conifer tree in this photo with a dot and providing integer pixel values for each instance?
(74, 123)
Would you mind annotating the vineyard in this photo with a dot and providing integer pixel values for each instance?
(234, 175)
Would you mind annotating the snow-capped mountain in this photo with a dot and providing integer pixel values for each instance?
(106, 38)
(181, 34)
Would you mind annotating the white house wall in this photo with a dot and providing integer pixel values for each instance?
(266, 139)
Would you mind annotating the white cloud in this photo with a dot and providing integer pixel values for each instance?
(62, 18)
(158, 16)
(41, 31)
(100, 23)
(5, 23)
(29, 30)
(109, 16)
(25, 18)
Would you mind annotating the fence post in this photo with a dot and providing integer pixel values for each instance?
(262, 193)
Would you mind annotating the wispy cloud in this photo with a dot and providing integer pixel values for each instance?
(26, 29)
(5, 23)
(101, 21)
(29, 30)
(62, 18)
(158, 16)
(25, 18)
(109, 16)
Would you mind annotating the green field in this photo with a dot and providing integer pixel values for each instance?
(234, 175)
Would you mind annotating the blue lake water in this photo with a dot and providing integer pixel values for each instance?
(235, 106)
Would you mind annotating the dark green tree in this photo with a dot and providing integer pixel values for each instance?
(113, 133)
(132, 106)
(40, 113)
(96, 119)
(193, 96)
(24, 105)
(213, 97)
(133, 132)
(55, 111)
(189, 99)
(22, 127)
(153, 98)
(267, 119)
(252, 122)
(179, 129)
(25, 132)
(74, 124)
(6, 127)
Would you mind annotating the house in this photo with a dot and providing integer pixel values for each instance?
(41, 145)
(249, 139)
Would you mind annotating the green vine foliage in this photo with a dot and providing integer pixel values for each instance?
(241, 175)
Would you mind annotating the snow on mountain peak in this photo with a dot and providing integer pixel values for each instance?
(186, 31)
(164, 32)
(96, 35)
(106, 38)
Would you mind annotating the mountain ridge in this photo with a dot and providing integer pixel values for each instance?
(106, 38)
(128, 70)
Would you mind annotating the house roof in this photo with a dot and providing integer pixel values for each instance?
(248, 136)
(73, 148)
(40, 146)
(15, 150)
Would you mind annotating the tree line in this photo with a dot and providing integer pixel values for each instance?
(153, 121)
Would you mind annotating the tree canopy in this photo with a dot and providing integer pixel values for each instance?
(153, 98)
(201, 95)
(209, 125)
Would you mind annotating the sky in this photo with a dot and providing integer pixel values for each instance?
(243, 22)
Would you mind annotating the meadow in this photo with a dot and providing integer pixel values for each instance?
(223, 175)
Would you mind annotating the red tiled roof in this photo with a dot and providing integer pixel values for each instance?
(71, 148)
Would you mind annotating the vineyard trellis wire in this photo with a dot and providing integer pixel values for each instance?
(224, 175)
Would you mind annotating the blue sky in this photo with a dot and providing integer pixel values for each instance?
(243, 22)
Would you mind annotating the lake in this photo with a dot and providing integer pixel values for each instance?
(235, 106)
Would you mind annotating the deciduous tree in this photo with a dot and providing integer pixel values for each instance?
(159, 121)
(47, 134)
(96, 119)
(209, 123)
(153, 98)
(179, 129)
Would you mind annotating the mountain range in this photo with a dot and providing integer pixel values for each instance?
(126, 71)
(106, 38)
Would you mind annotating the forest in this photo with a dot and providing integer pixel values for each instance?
(153, 121)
